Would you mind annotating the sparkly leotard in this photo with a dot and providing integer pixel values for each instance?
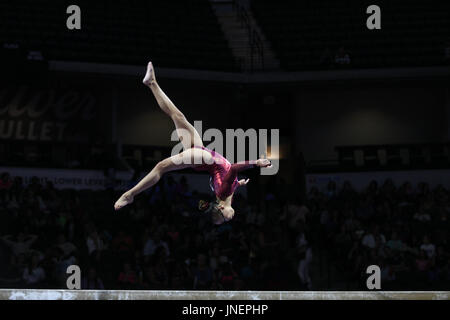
(223, 173)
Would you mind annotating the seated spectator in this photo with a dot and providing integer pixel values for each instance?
(202, 273)
(387, 272)
(428, 247)
(368, 239)
(422, 216)
(395, 243)
(161, 277)
(326, 59)
(342, 57)
(21, 244)
(447, 52)
(5, 186)
(66, 246)
(153, 243)
(422, 261)
(127, 277)
(214, 257)
(148, 244)
(123, 244)
(94, 243)
(303, 266)
(227, 276)
(173, 233)
(33, 273)
(296, 213)
(92, 281)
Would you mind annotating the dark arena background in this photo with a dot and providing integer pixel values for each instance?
(363, 153)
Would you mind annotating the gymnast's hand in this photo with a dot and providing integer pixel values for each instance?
(243, 182)
(263, 163)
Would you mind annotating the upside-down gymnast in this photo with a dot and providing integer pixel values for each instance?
(223, 174)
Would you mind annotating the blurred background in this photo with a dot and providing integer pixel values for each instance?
(364, 120)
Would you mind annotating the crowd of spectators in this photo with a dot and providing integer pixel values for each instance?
(403, 230)
(162, 241)
(340, 60)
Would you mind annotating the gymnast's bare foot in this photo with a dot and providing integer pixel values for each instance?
(124, 200)
(149, 78)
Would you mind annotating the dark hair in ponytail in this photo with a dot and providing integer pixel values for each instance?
(210, 207)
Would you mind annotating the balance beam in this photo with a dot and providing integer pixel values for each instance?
(51, 294)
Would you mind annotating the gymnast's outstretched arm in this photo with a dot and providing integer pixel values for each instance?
(244, 165)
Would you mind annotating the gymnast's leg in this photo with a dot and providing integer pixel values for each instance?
(185, 159)
(188, 135)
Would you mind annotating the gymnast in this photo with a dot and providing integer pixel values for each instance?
(223, 174)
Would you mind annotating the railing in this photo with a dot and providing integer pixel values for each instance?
(57, 154)
(255, 43)
(386, 157)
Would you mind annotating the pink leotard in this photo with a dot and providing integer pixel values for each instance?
(223, 173)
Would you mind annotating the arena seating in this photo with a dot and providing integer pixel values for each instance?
(306, 34)
(173, 34)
